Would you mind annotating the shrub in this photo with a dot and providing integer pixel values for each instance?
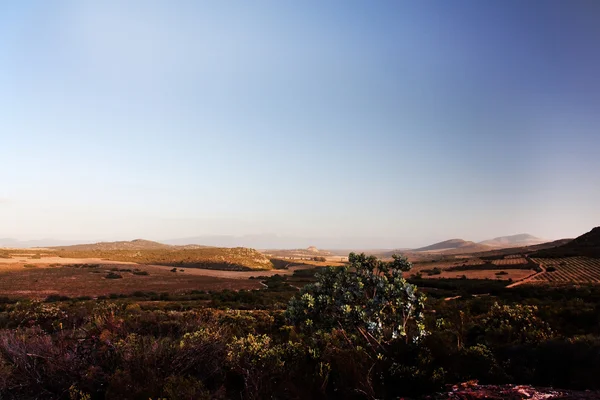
(55, 297)
(515, 324)
(143, 273)
(113, 275)
(375, 301)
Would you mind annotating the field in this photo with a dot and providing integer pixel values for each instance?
(42, 273)
(568, 270)
(39, 273)
(513, 269)
(91, 280)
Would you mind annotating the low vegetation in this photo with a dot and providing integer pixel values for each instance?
(239, 258)
(355, 332)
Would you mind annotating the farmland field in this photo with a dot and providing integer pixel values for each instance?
(568, 270)
(510, 261)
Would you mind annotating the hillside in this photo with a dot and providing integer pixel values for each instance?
(528, 250)
(523, 239)
(191, 256)
(452, 246)
(137, 244)
(587, 245)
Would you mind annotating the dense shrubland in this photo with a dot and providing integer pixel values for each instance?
(371, 334)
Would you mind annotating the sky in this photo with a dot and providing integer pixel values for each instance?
(376, 124)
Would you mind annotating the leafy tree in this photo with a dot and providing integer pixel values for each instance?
(368, 298)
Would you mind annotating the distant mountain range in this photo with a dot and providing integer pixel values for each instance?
(452, 246)
(461, 246)
(23, 244)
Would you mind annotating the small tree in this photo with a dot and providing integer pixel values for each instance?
(369, 298)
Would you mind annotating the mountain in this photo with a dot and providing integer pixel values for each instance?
(452, 246)
(523, 239)
(137, 244)
(587, 245)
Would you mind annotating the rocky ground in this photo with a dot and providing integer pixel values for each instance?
(472, 391)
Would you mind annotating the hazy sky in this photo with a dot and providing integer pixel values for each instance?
(407, 121)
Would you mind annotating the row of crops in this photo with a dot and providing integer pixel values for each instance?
(569, 269)
(511, 261)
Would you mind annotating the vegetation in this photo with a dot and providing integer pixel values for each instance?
(209, 257)
(372, 334)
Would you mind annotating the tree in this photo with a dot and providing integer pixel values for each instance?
(368, 298)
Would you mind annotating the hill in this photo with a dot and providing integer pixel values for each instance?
(587, 245)
(137, 244)
(191, 256)
(453, 246)
(523, 239)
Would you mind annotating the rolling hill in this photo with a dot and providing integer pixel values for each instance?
(452, 246)
(191, 256)
(523, 239)
(587, 245)
(137, 244)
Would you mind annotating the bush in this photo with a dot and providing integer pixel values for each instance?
(113, 275)
(369, 298)
(142, 273)
(55, 297)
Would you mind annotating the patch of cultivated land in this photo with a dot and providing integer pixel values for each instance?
(509, 274)
(512, 269)
(568, 270)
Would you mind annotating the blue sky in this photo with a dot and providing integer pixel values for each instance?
(399, 123)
